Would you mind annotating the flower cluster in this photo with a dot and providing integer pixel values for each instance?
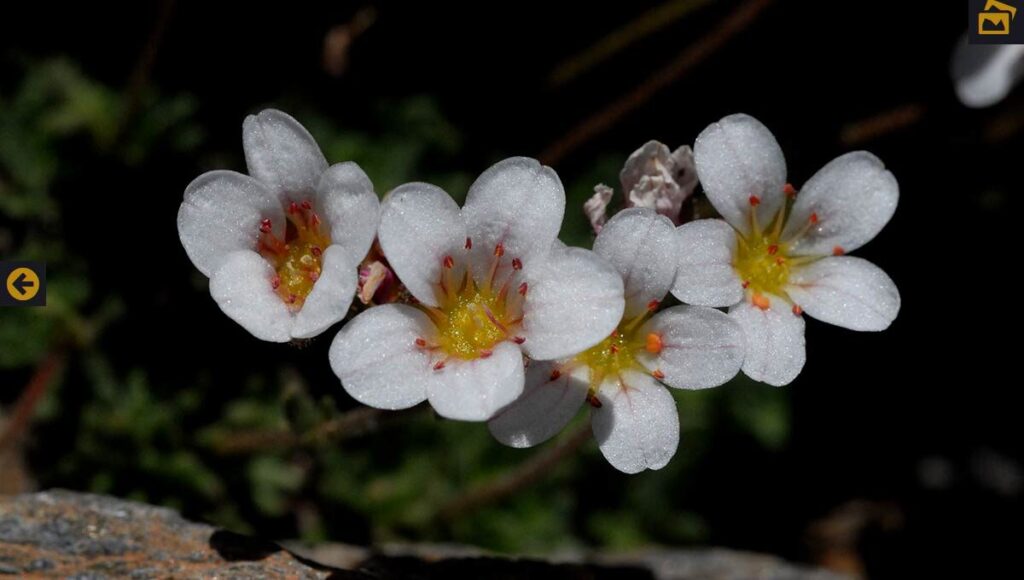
(483, 312)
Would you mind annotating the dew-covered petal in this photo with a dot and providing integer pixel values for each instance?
(331, 296)
(842, 207)
(377, 359)
(350, 209)
(551, 399)
(705, 274)
(574, 300)
(281, 153)
(641, 246)
(420, 225)
(775, 341)
(694, 347)
(846, 291)
(740, 164)
(474, 390)
(241, 287)
(637, 425)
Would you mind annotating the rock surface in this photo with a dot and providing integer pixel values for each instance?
(89, 537)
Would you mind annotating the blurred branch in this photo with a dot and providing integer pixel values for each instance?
(881, 124)
(736, 22)
(144, 66)
(525, 474)
(21, 417)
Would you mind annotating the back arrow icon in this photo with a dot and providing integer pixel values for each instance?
(22, 282)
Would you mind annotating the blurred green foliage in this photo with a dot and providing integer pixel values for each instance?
(253, 459)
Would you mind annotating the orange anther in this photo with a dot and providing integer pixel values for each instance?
(789, 190)
(773, 249)
(797, 310)
(421, 343)
(814, 218)
(653, 305)
(658, 374)
(838, 251)
(486, 353)
(654, 343)
(499, 250)
(594, 401)
(755, 201)
(761, 301)
(449, 262)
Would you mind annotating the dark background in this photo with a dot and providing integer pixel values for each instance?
(906, 441)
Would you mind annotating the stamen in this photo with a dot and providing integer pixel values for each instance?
(519, 339)
(469, 244)
(654, 343)
(265, 226)
(760, 301)
(746, 284)
(754, 200)
(486, 353)
(275, 282)
(814, 217)
(773, 249)
(658, 374)
(594, 401)
(306, 205)
(838, 251)
(499, 250)
(439, 365)
(653, 305)
(555, 374)
(449, 262)
(517, 264)
(317, 251)
(421, 343)
(789, 190)
(522, 289)
(797, 310)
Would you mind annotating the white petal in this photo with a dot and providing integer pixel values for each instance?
(376, 357)
(281, 153)
(849, 201)
(641, 245)
(775, 341)
(350, 209)
(846, 291)
(519, 203)
(705, 275)
(241, 287)
(221, 214)
(419, 226)
(701, 347)
(737, 158)
(637, 425)
(475, 390)
(985, 73)
(544, 408)
(574, 300)
(331, 296)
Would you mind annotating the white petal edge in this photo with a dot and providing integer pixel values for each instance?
(775, 341)
(846, 291)
(221, 214)
(350, 209)
(851, 199)
(376, 358)
(241, 287)
(701, 347)
(331, 296)
(475, 390)
(545, 407)
(738, 157)
(705, 274)
(516, 202)
(637, 425)
(574, 300)
(420, 225)
(280, 152)
(642, 246)
(984, 74)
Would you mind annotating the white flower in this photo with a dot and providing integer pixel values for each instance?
(492, 284)
(984, 74)
(634, 417)
(282, 244)
(779, 254)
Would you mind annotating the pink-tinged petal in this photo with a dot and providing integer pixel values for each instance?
(377, 359)
(741, 166)
(842, 207)
(331, 296)
(551, 399)
(596, 208)
(574, 300)
(221, 214)
(517, 203)
(693, 347)
(637, 425)
(475, 390)
(775, 341)
(241, 287)
(641, 246)
(846, 291)
(350, 209)
(420, 225)
(705, 275)
(281, 153)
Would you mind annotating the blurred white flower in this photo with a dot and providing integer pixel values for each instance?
(984, 74)
(492, 283)
(633, 416)
(778, 255)
(280, 245)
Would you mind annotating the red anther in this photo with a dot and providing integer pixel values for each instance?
(658, 374)
(314, 275)
(797, 310)
(421, 343)
(275, 282)
(307, 205)
(761, 301)
(469, 244)
(486, 353)
(314, 220)
(654, 344)
(292, 298)
(746, 284)
(499, 250)
(519, 339)
(614, 349)
(316, 251)
(449, 262)
(555, 374)
(653, 305)
(265, 226)
(773, 249)
(838, 251)
(522, 289)
(615, 333)
(789, 190)
(439, 365)
(293, 207)
(814, 218)
(593, 401)
(754, 200)
(517, 264)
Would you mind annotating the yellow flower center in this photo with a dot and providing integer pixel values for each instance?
(298, 259)
(762, 263)
(620, 352)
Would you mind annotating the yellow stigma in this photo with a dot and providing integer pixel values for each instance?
(619, 352)
(762, 263)
(298, 259)
(472, 324)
